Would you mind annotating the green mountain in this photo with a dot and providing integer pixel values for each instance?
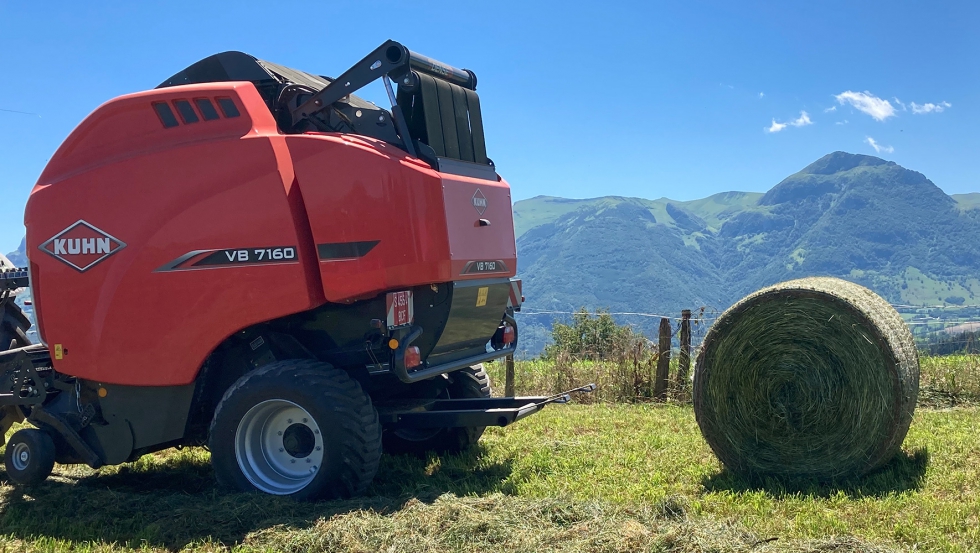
(852, 216)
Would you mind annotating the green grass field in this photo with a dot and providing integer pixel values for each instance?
(600, 477)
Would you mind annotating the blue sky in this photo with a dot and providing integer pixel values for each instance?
(645, 99)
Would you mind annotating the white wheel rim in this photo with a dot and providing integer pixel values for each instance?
(279, 447)
(21, 456)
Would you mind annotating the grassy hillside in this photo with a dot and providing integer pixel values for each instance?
(713, 211)
(856, 217)
(967, 201)
(616, 478)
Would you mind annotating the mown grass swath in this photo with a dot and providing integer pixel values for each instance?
(574, 478)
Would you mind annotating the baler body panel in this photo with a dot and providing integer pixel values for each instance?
(384, 221)
(216, 225)
(163, 192)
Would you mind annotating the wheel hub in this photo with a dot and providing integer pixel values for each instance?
(299, 440)
(21, 456)
(279, 447)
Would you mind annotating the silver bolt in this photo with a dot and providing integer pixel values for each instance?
(305, 420)
(292, 460)
(318, 448)
(308, 460)
(313, 469)
(381, 118)
(24, 456)
(280, 432)
(281, 450)
(290, 421)
(316, 431)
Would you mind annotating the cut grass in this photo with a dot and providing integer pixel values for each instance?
(574, 478)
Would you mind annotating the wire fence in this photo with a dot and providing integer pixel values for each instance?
(954, 326)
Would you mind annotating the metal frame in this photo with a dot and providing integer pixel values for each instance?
(450, 413)
(389, 61)
(14, 279)
(410, 377)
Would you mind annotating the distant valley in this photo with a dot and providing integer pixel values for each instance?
(852, 216)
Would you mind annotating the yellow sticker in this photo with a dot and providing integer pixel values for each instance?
(481, 296)
(58, 351)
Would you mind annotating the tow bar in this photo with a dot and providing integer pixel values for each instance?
(445, 413)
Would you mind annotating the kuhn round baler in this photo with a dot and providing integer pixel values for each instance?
(253, 258)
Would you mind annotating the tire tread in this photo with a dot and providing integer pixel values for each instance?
(361, 451)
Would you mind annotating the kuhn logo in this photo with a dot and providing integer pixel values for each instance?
(82, 245)
(479, 201)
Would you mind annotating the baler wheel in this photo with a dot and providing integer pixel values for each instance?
(29, 457)
(471, 382)
(298, 428)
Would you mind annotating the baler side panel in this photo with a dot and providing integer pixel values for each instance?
(141, 316)
(376, 216)
(383, 221)
(480, 220)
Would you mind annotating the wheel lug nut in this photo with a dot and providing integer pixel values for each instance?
(292, 460)
(313, 468)
(318, 448)
(281, 450)
(316, 431)
(280, 432)
(290, 421)
(304, 420)
(307, 459)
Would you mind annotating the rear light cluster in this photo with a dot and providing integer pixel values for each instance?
(508, 335)
(188, 114)
(413, 357)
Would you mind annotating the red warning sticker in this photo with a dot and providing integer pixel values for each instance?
(401, 310)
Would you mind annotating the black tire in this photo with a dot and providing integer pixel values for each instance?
(343, 423)
(13, 326)
(471, 382)
(29, 457)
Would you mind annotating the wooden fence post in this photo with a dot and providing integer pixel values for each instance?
(663, 360)
(509, 376)
(684, 361)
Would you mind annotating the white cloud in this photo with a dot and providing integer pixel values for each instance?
(776, 127)
(878, 147)
(900, 103)
(930, 108)
(762, 95)
(844, 122)
(830, 109)
(801, 121)
(868, 103)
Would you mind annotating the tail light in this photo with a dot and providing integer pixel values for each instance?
(508, 336)
(413, 357)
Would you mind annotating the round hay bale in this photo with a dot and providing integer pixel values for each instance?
(816, 377)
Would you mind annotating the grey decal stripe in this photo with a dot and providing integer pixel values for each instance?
(176, 262)
(345, 250)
